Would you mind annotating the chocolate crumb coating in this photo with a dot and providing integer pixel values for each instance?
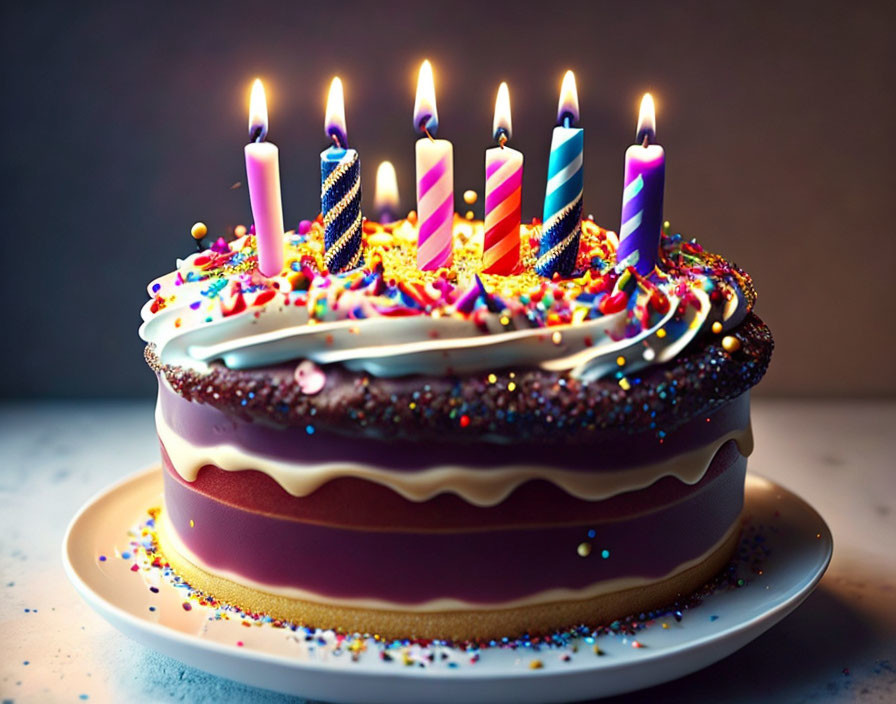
(501, 406)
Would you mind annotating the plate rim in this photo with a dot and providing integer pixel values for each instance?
(158, 630)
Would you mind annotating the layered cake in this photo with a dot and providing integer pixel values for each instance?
(448, 453)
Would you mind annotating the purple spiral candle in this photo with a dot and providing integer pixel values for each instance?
(642, 195)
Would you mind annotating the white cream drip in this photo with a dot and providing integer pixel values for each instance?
(437, 605)
(478, 486)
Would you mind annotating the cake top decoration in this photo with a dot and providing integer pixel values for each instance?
(389, 318)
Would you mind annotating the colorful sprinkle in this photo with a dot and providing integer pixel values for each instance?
(584, 549)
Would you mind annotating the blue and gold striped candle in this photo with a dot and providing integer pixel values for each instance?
(340, 190)
(562, 222)
(642, 194)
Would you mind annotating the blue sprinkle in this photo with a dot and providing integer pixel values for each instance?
(125, 556)
(713, 618)
(26, 662)
(156, 287)
(102, 558)
(195, 305)
(605, 554)
(83, 696)
(309, 429)
(152, 608)
(591, 533)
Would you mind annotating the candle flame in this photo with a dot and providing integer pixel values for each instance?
(502, 123)
(385, 199)
(568, 106)
(425, 113)
(646, 120)
(334, 122)
(258, 113)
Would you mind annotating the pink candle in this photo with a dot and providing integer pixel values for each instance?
(435, 180)
(503, 195)
(263, 176)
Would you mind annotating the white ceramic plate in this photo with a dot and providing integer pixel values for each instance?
(799, 550)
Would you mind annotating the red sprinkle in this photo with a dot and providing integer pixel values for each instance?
(264, 297)
(614, 303)
(464, 421)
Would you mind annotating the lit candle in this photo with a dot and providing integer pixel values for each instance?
(263, 176)
(385, 198)
(435, 180)
(340, 189)
(503, 193)
(562, 222)
(642, 195)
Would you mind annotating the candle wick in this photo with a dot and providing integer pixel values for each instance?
(425, 129)
(258, 134)
(335, 139)
(567, 121)
(502, 139)
(646, 140)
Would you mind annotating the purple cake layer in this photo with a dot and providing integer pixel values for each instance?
(352, 502)
(204, 425)
(492, 566)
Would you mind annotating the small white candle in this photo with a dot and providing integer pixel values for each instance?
(263, 176)
(385, 198)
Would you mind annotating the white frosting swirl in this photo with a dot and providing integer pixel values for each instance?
(241, 319)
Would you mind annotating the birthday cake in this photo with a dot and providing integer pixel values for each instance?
(451, 453)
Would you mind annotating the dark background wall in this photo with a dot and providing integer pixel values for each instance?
(124, 123)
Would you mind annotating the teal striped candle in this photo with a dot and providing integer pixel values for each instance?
(562, 221)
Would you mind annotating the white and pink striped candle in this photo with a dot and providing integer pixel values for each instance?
(503, 195)
(435, 180)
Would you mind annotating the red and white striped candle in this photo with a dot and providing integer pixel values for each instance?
(503, 195)
(435, 180)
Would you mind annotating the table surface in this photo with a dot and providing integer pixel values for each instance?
(840, 645)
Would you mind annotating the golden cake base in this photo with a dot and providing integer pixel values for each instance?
(454, 625)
